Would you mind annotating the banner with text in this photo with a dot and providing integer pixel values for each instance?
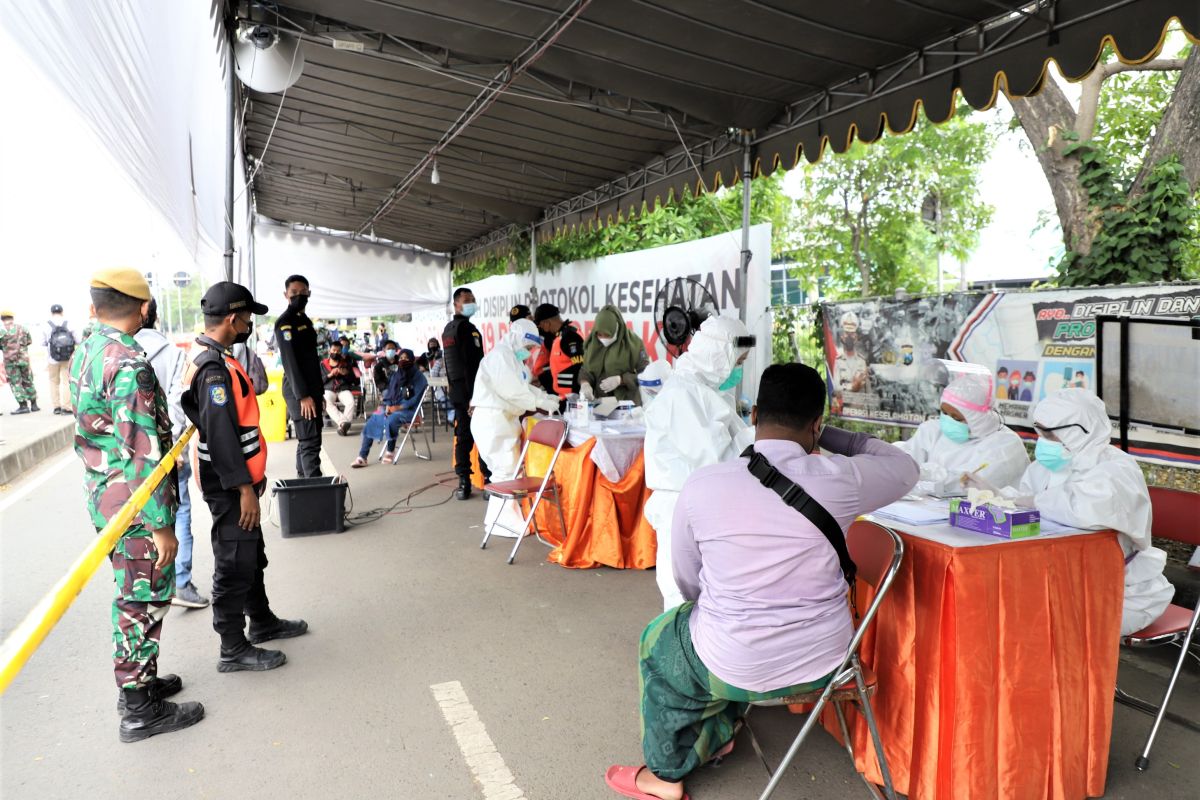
(879, 351)
(631, 282)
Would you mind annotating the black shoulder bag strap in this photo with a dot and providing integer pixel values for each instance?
(806, 504)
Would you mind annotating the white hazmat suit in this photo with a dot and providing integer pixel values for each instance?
(691, 424)
(1101, 487)
(503, 393)
(991, 445)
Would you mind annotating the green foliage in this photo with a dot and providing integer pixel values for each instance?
(1148, 238)
(691, 217)
(1130, 107)
(863, 230)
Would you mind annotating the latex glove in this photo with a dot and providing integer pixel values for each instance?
(586, 392)
(608, 384)
(548, 404)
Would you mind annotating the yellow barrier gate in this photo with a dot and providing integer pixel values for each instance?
(33, 630)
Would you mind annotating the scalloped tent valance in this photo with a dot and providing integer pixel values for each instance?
(629, 102)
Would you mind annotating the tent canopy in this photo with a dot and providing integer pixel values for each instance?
(616, 103)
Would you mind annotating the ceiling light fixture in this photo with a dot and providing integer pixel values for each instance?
(434, 177)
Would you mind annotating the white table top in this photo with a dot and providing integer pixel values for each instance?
(945, 533)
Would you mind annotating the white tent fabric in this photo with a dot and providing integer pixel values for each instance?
(348, 278)
(148, 76)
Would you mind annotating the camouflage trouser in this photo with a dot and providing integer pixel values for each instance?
(20, 378)
(142, 600)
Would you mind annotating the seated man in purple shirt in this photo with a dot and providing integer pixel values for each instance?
(766, 612)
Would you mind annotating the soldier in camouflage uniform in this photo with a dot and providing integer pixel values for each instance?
(122, 432)
(15, 341)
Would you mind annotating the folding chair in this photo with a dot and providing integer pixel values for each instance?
(1176, 516)
(548, 432)
(414, 426)
(877, 551)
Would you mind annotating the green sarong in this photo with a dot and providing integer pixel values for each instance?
(688, 714)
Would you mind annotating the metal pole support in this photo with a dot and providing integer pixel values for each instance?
(747, 176)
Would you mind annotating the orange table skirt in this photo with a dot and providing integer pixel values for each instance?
(996, 666)
(605, 524)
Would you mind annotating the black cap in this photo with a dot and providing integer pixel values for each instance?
(227, 297)
(518, 312)
(544, 312)
(56, 309)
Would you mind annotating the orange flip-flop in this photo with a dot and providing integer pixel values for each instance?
(623, 781)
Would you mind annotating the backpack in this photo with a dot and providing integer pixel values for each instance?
(62, 342)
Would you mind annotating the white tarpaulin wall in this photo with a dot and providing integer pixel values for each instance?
(147, 75)
(348, 278)
(631, 282)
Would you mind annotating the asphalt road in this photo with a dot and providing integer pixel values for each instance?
(545, 656)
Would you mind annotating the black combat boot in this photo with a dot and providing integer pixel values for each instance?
(464, 489)
(251, 659)
(279, 629)
(33, 406)
(162, 687)
(21, 409)
(146, 716)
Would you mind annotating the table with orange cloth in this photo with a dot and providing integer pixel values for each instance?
(605, 524)
(997, 664)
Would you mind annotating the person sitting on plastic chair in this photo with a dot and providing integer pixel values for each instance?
(765, 613)
(401, 403)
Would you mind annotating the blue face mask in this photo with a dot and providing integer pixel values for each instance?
(955, 431)
(390, 353)
(469, 309)
(522, 354)
(733, 380)
(1051, 455)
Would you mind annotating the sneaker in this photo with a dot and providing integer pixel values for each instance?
(189, 597)
(280, 629)
(251, 659)
(359, 463)
(57, 411)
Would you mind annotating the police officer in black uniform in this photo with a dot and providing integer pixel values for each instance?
(296, 340)
(463, 349)
(232, 457)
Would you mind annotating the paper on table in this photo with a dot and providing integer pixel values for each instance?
(916, 512)
(1049, 527)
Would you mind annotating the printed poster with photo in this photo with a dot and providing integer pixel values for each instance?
(1032, 342)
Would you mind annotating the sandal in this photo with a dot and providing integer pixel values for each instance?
(623, 781)
(358, 463)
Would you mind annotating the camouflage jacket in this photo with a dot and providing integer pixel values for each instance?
(122, 428)
(15, 343)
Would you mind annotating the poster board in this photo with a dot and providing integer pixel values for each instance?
(1034, 342)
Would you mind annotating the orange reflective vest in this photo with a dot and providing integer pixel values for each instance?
(245, 402)
(566, 357)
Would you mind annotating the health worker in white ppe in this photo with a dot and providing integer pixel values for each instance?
(652, 379)
(503, 393)
(967, 439)
(1081, 480)
(693, 423)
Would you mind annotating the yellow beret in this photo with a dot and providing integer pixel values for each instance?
(125, 280)
(7, 313)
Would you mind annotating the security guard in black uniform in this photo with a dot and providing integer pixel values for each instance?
(232, 458)
(463, 349)
(303, 383)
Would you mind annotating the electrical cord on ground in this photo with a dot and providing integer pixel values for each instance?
(402, 506)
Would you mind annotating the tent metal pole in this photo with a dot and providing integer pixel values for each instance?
(230, 155)
(533, 260)
(747, 168)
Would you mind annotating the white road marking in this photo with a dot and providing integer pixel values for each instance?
(495, 780)
(27, 485)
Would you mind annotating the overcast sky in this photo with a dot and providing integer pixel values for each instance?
(66, 208)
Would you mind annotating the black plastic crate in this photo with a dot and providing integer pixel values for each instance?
(311, 506)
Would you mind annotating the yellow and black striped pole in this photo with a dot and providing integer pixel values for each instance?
(33, 630)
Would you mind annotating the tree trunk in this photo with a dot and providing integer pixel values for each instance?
(1179, 131)
(1045, 117)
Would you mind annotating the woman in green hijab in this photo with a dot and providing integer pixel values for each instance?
(612, 358)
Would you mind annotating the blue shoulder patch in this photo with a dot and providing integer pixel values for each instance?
(218, 395)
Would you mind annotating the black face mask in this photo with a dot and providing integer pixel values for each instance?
(298, 303)
(242, 337)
